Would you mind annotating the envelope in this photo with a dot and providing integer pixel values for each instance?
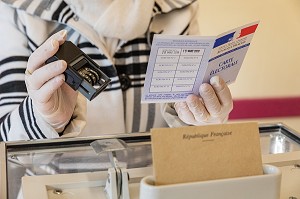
(201, 153)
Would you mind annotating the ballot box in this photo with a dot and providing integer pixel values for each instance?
(114, 166)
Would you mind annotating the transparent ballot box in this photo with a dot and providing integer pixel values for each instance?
(89, 167)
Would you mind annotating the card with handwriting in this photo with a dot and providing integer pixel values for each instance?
(200, 153)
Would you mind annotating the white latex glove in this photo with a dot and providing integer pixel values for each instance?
(52, 98)
(213, 105)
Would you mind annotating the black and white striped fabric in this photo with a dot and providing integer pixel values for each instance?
(26, 24)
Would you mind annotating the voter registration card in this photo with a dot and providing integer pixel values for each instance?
(179, 64)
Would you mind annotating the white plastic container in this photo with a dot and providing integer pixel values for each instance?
(266, 186)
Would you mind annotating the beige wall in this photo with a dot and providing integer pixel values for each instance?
(272, 65)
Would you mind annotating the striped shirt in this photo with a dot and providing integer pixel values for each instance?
(25, 25)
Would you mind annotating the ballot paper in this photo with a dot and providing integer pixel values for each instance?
(179, 64)
(202, 153)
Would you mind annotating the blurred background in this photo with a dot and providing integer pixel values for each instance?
(267, 89)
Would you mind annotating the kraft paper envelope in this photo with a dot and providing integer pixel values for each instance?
(192, 153)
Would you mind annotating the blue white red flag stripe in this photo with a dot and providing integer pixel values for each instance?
(227, 38)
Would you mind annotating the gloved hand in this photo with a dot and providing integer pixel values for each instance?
(52, 98)
(213, 105)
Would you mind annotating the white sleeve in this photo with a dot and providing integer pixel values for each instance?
(170, 116)
(18, 118)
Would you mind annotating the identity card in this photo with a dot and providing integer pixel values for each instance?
(179, 64)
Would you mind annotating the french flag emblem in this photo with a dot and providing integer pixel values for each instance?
(227, 38)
